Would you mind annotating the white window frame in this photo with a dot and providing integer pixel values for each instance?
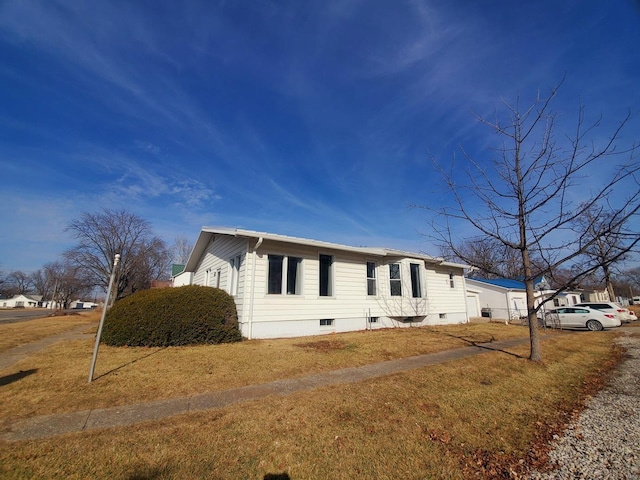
(372, 280)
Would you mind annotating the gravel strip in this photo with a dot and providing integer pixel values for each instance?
(604, 442)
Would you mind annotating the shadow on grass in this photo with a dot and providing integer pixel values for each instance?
(479, 344)
(149, 473)
(129, 363)
(277, 476)
(14, 377)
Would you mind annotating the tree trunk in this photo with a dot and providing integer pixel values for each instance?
(534, 337)
(609, 283)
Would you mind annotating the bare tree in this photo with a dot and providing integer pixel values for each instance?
(144, 257)
(181, 250)
(490, 258)
(608, 249)
(3, 283)
(42, 283)
(21, 282)
(523, 199)
(69, 282)
(632, 278)
(7, 288)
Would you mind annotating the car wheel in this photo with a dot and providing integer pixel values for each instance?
(594, 325)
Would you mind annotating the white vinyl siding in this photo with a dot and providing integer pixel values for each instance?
(216, 261)
(348, 281)
(442, 298)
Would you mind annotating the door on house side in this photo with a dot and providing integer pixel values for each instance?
(472, 306)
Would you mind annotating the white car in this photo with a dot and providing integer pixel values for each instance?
(608, 307)
(580, 317)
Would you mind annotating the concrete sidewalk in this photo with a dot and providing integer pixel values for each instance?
(52, 425)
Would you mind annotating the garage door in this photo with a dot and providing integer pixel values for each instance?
(472, 306)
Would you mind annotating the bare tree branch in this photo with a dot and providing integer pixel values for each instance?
(530, 200)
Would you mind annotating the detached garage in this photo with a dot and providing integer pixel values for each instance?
(500, 298)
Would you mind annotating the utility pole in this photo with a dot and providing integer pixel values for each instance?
(104, 313)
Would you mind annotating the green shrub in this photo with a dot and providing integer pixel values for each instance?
(172, 316)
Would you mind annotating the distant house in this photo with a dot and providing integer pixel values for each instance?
(502, 298)
(21, 301)
(286, 286)
(566, 299)
(179, 277)
(81, 305)
(594, 294)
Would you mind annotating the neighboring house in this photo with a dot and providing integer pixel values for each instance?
(80, 305)
(594, 294)
(21, 301)
(567, 299)
(502, 298)
(285, 286)
(179, 277)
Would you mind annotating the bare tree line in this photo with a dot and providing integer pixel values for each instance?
(85, 267)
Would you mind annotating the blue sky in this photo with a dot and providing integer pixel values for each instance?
(314, 119)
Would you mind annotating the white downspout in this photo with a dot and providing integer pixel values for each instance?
(253, 285)
(464, 296)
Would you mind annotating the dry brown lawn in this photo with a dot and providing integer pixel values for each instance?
(16, 334)
(480, 415)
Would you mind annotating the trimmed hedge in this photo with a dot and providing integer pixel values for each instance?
(172, 316)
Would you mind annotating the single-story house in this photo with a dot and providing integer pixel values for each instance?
(82, 305)
(21, 301)
(285, 286)
(179, 277)
(566, 299)
(502, 298)
(594, 294)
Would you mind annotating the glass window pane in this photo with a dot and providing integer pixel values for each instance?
(371, 278)
(371, 286)
(275, 274)
(394, 271)
(371, 270)
(415, 280)
(293, 275)
(326, 263)
(395, 284)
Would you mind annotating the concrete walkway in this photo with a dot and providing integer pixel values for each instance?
(52, 425)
